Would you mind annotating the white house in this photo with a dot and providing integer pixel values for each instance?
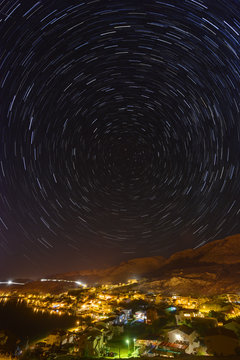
(184, 335)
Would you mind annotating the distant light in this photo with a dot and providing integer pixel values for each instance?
(10, 282)
(79, 283)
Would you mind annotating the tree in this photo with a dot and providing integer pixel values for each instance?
(29, 355)
(217, 315)
(88, 320)
(135, 305)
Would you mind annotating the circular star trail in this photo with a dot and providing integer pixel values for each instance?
(119, 126)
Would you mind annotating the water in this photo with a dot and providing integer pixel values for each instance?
(24, 323)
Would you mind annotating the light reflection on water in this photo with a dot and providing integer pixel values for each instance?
(17, 316)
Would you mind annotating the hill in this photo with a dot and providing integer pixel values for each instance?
(134, 268)
(214, 267)
(211, 269)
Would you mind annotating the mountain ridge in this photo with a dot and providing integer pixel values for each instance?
(213, 268)
(224, 251)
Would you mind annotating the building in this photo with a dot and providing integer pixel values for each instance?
(186, 336)
(186, 314)
(172, 348)
(147, 345)
(123, 317)
(182, 334)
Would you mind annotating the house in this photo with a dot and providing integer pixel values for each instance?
(123, 317)
(69, 339)
(171, 348)
(147, 341)
(140, 316)
(186, 336)
(146, 346)
(186, 314)
(221, 342)
(182, 334)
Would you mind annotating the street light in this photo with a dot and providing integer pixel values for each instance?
(134, 344)
(127, 341)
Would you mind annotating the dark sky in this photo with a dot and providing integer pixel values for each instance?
(120, 130)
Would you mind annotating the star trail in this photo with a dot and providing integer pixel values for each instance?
(120, 133)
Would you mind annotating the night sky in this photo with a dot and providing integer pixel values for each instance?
(120, 130)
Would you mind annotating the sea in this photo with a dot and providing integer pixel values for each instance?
(28, 325)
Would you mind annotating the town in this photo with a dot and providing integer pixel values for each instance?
(118, 321)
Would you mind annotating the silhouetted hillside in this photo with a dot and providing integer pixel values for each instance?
(211, 269)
